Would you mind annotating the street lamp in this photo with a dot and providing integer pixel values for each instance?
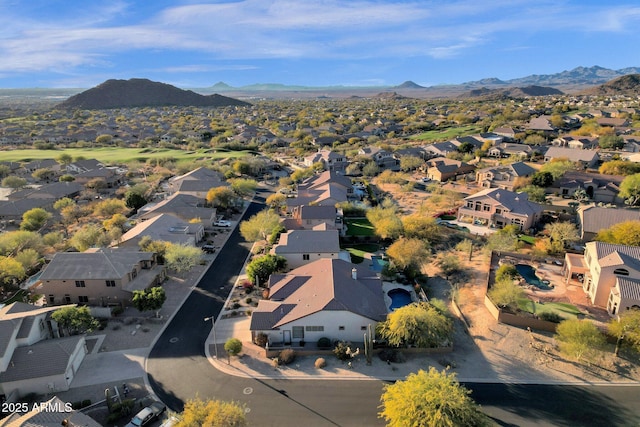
(215, 341)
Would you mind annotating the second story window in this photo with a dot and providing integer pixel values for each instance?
(305, 257)
(80, 284)
(111, 283)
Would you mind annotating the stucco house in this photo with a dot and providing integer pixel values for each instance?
(313, 217)
(183, 206)
(443, 169)
(496, 208)
(33, 357)
(503, 176)
(300, 247)
(592, 219)
(507, 149)
(164, 227)
(327, 298)
(383, 158)
(610, 275)
(101, 277)
(196, 183)
(330, 159)
(325, 189)
(588, 158)
(599, 188)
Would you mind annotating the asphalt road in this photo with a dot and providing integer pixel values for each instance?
(178, 370)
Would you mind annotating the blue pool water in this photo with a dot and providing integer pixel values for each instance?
(378, 264)
(528, 273)
(399, 298)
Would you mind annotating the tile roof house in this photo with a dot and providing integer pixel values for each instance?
(325, 189)
(315, 217)
(599, 188)
(503, 176)
(443, 169)
(495, 207)
(588, 158)
(330, 159)
(81, 166)
(327, 298)
(611, 275)
(592, 219)
(196, 183)
(440, 149)
(164, 227)
(184, 206)
(33, 359)
(300, 247)
(510, 149)
(100, 277)
(383, 158)
(110, 177)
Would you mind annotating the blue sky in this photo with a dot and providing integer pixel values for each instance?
(190, 43)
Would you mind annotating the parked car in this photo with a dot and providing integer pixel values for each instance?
(208, 249)
(222, 223)
(147, 415)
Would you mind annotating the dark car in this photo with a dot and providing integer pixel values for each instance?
(208, 249)
(147, 415)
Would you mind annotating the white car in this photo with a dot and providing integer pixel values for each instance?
(222, 223)
(147, 415)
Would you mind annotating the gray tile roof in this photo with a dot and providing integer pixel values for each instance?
(595, 218)
(602, 250)
(323, 285)
(43, 359)
(572, 153)
(317, 212)
(629, 288)
(308, 241)
(516, 203)
(7, 331)
(103, 264)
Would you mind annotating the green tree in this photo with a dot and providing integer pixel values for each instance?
(110, 207)
(505, 239)
(449, 264)
(629, 189)
(67, 178)
(262, 267)
(14, 182)
(28, 258)
(233, 347)
(91, 235)
(43, 174)
(34, 219)
(421, 227)
(619, 167)
(244, 187)
(276, 201)
(11, 270)
(611, 142)
(370, 169)
(422, 324)
(385, 221)
(134, 200)
(430, 398)
(300, 175)
(622, 233)
(221, 197)
(211, 413)
(117, 221)
(181, 258)
(534, 193)
(151, 299)
(75, 320)
(558, 167)
(13, 242)
(260, 225)
(626, 329)
(505, 293)
(409, 255)
(561, 234)
(63, 203)
(64, 158)
(579, 339)
(410, 163)
(506, 272)
(542, 179)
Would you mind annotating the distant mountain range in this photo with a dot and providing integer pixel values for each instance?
(142, 93)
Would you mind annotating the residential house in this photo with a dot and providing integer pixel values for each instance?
(612, 122)
(503, 176)
(100, 277)
(476, 143)
(81, 166)
(506, 132)
(574, 142)
(50, 192)
(497, 208)
(599, 188)
(383, 158)
(592, 219)
(331, 160)
(300, 247)
(110, 177)
(507, 149)
(196, 183)
(327, 298)
(326, 189)
(164, 227)
(541, 123)
(30, 167)
(315, 217)
(184, 206)
(588, 158)
(443, 169)
(440, 149)
(13, 210)
(33, 357)
(610, 275)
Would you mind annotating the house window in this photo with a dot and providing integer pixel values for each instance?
(486, 208)
(314, 328)
(470, 205)
(67, 298)
(80, 284)
(498, 211)
(341, 328)
(363, 328)
(111, 283)
(52, 299)
(82, 299)
(305, 257)
(621, 271)
(297, 332)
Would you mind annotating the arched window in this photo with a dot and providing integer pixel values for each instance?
(621, 272)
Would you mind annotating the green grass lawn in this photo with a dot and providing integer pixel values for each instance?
(358, 251)
(563, 309)
(113, 155)
(19, 296)
(359, 227)
(528, 239)
(446, 134)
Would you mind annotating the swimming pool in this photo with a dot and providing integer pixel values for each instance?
(377, 263)
(399, 298)
(528, 273)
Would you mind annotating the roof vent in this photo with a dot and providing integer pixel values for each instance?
(354, 273)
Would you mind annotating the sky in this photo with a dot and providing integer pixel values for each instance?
(195, 44)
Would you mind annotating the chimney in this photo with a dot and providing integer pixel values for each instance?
(354, 273)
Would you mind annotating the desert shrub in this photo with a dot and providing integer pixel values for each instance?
(248, 300)
(324, 342)
(247, 286)
(235, 305)
(550, 316)
(341, 350)
(391, 355)
(506, 271)
(261, 339)
(320, 363)
(286, 356)
(116, 311)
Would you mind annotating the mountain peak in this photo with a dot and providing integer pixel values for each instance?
(409, 85)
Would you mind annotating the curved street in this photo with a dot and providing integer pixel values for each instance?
(178, 369)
